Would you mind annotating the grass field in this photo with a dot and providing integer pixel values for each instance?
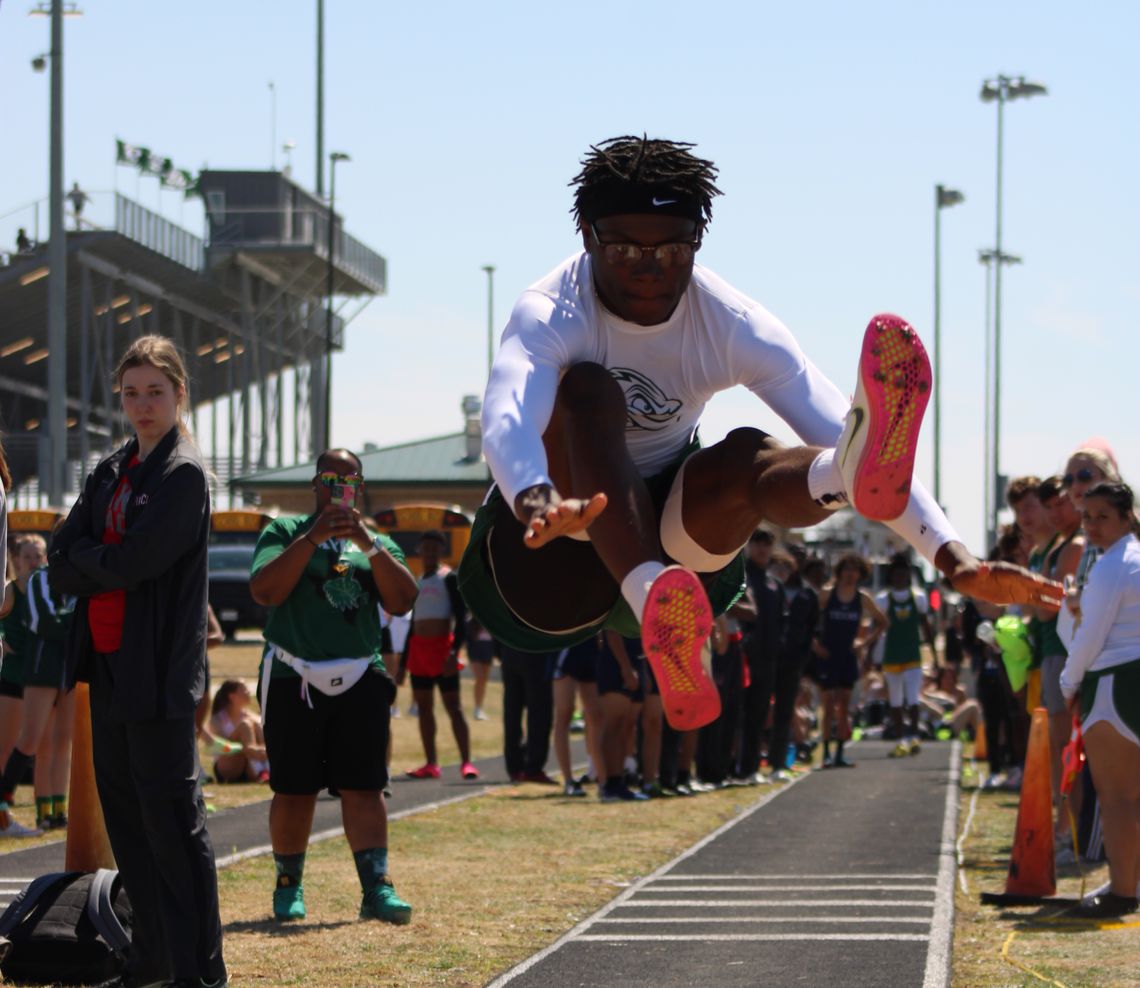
(492, 880)
(1028, 945)
(495, 879)
(240, 661)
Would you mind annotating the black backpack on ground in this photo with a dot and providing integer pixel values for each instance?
(68, 927)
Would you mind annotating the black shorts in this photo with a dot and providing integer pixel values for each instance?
(14, 690)
(45, 665)
(648, 680)
(481, 650)
(579, 662)
(339, 743)
(446, 684)
(609, 672)
(840, 672)
(561, 594)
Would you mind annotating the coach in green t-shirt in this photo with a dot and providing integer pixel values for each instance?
(324, 690)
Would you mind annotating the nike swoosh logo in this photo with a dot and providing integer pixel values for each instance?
(858, 413)
(662, 202)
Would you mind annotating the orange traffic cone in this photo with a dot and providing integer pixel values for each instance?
(1031, 871)
(88, 847)
(981, 752)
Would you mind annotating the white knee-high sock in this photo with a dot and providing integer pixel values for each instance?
(635, 586)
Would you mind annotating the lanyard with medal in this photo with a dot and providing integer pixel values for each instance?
(341, 589)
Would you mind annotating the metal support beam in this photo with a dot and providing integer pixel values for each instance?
(86, 311)
(57, 284)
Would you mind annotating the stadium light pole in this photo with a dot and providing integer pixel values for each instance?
(944, 198)
(272, 126)
(490, 269)
(320, 183)
(57, 261)
(989, 468)
(333, 159)
(1000, 89)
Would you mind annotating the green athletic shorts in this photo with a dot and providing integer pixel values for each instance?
(481, 593)
(1125, 693)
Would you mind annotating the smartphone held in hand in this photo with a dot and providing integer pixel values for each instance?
(344, 495)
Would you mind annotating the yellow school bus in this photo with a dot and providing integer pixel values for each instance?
(405, 523)
(233, 536)
(40, 521)
(238, 525)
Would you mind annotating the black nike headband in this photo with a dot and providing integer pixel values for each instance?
(625, 198)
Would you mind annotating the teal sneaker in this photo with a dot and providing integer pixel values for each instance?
(383, 903)
(289, 902)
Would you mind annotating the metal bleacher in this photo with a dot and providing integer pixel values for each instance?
(246, 305)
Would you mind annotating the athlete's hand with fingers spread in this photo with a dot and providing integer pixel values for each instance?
(999, 583)
(547, 515)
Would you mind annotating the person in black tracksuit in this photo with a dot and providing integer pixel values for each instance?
(801, 618)
(761, 650)
(527, 687)
(133, 550)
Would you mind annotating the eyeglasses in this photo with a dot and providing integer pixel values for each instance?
(1084, 475)
(330, 479)
(676, 252)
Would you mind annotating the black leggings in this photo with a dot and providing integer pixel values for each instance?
(993, 697)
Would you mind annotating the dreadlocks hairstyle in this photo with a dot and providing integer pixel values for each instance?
(626, 174)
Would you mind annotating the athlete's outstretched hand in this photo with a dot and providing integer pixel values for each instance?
(1005, 583)
(547, 516)
(998, 583)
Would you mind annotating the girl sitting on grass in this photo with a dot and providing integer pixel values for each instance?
(231, 719)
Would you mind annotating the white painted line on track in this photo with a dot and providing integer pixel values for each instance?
(959, 854)
(762, 937)
(575, 933)
(942, 924)
(764, 919)
(782, 903)
(886, 876)
(255, 852)
(837, 887)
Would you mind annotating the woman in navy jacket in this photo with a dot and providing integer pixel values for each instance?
(133, 550)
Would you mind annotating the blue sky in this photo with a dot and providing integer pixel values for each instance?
(831, 123)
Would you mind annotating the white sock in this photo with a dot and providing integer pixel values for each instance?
(635, 586)
(825, 482)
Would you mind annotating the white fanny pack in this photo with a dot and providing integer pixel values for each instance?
(331, 676)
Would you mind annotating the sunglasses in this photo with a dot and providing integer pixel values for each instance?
(1084, 475)
(330, 479)
(675, 253)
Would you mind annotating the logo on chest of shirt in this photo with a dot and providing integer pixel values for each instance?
(647, 406)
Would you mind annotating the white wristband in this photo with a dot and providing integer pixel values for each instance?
(373, 551)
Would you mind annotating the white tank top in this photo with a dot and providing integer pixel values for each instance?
(433, 601)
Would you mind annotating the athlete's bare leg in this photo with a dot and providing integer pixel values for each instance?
(425, 703)
(459, 729)
(728, 489)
